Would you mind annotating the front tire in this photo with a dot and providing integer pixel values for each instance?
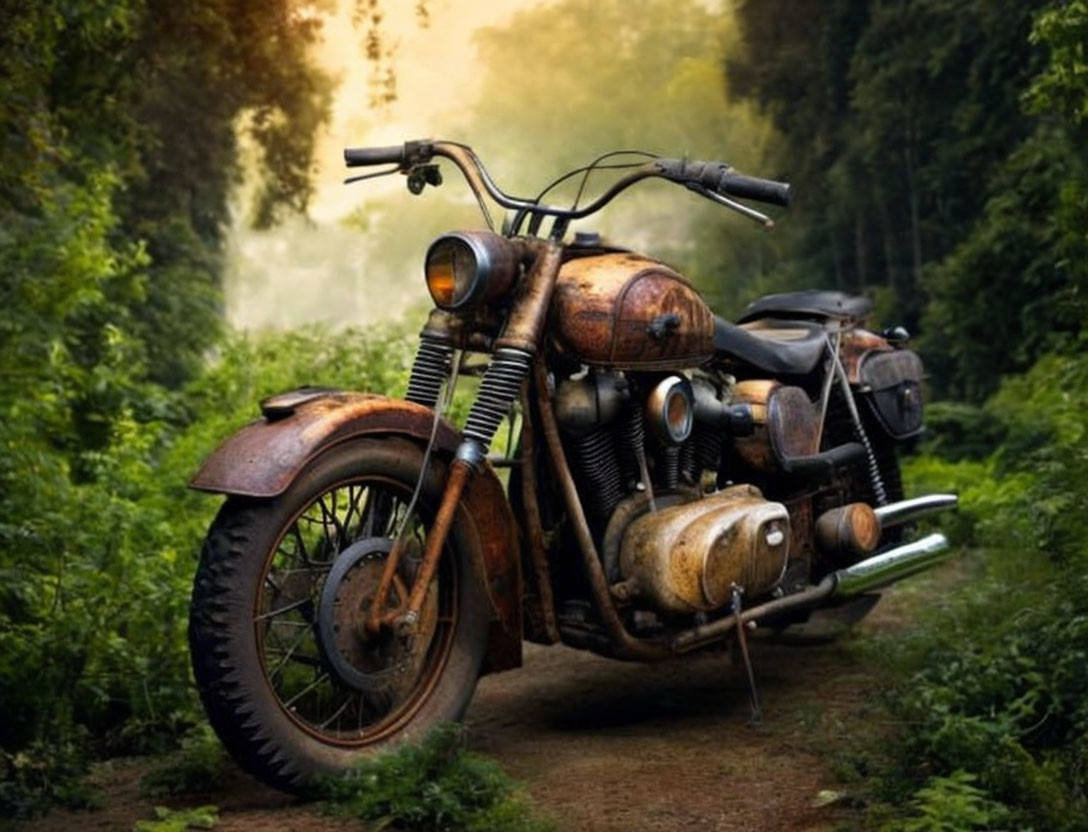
(291, 682)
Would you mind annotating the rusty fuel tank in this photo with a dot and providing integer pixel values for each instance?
(630, 312)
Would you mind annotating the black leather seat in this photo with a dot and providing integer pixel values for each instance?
(809, 304)
(776, 347)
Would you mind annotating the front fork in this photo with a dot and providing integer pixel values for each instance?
(501, 385)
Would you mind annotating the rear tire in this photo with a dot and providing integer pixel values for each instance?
(269, 682)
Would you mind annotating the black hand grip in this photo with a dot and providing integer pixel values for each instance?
(357, 157)
(752, 187)
(722, 179)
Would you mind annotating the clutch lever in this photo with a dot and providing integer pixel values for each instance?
(740, 208)
(363, 176)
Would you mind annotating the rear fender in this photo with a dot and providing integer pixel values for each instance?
(263, 458)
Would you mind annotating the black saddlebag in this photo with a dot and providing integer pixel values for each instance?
(891, 385)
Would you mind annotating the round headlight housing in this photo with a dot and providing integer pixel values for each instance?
(670, 410)
(465, 268)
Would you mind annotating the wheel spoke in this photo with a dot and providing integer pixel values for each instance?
(294, 605)
(317, 681)
(300, 551)
(288, 654)
(303, 674)
(336, 715)
(329, 519)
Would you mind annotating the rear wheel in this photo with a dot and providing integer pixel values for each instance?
(293, 681)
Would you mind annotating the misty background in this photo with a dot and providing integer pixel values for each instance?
(536, 87)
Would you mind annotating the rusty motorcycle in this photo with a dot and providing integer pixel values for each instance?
(673, 481)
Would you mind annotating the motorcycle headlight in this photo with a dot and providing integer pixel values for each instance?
(465, 268)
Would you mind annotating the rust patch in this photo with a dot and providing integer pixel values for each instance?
(264, 457)
(628, 311)
(686, 558)
(856, 344)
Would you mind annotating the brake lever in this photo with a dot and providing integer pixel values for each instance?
(363, 176)
(740, 208)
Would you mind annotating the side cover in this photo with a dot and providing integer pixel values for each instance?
(264, 457)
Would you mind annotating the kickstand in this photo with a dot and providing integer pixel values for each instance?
(742, 642)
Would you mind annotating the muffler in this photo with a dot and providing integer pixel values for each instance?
(907, 511)
(864, 576)
(888, 567)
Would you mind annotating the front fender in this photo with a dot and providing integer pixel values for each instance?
(264, 457)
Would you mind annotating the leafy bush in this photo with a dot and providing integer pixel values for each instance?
(96, 566)
(43, 775)
(437, 786)
(993, 690)
(950, 804)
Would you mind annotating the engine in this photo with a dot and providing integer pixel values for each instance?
(647, 453)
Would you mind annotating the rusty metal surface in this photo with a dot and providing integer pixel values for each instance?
(264, 457)
(704, 634)
(630, 312)
(459, 476)
(534, 529)
(533, 298)
(786, 423)
(496, 529)
(856, 345)
(627, 646)
(756, 449)
(793, 423)
(688, 557)
(802, 545)
(848, 532)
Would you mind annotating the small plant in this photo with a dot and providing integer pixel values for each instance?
(169, 820)
(951, 804)
(42, 776)
(437, 786)
(195, 767)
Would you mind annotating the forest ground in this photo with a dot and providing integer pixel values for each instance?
(608, 746)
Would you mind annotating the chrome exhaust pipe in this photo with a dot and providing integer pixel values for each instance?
(888, 567)
(906, 511)
(869, 574)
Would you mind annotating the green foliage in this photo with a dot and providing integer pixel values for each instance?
(197, 766)
(937, 149)
(957, 430)
(951, 804)
(43, 775)
(96, 572)
(180, 820)
(994, 680)
(1006, 294)
(436, 786)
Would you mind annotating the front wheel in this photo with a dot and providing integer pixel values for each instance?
(293, 681)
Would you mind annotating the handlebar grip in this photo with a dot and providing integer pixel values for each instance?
(722, 179)
(357, 157)
(752, 187)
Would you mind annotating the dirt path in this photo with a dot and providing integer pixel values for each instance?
(605, 746)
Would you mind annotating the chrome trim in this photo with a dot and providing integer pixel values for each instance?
(905, 511)
(890, 566)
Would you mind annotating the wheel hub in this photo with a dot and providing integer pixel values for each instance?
(367, 661)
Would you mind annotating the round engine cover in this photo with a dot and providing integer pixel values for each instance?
(687, 558)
